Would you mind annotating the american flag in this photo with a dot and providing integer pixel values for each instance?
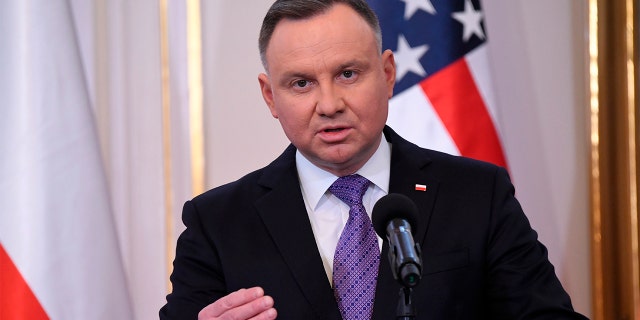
(443, 98)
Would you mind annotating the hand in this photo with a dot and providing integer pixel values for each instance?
(243, 304)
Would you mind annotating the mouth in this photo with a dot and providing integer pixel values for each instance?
(334, 134)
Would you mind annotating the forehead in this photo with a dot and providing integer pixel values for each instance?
(339, 30)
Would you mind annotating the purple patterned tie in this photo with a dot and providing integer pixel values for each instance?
(355, 263)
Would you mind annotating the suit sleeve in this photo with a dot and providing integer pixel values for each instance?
(522, 283)
(196, 278)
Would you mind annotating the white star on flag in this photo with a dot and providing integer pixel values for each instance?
(470, 19)
(411, 6)
(408, 58)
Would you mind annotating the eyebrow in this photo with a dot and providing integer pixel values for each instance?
(287, 76)
(350, 64)
(358, 63)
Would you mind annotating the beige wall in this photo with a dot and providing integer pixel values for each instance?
(538, 61)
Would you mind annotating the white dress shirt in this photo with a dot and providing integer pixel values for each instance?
(327, 213)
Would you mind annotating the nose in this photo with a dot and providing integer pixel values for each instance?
(330, 101)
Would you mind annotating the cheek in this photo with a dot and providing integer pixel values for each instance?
(373, 106)
(292, 119)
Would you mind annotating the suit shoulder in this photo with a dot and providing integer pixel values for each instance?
(242, 187)
(256, 182)
(460, 163)
(408, 152)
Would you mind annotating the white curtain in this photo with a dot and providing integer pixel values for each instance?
(149, 175)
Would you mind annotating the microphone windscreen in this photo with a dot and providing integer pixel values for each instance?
(393, 206)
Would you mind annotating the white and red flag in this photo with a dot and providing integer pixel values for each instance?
(443, 98)
(59, 256)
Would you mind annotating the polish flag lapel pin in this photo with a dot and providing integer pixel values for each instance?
(421, 187)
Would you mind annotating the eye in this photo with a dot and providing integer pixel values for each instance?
(349, 76)
(300, 83)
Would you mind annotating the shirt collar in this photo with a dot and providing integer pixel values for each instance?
(315, 182)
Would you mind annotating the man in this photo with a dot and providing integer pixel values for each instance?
(264, 246)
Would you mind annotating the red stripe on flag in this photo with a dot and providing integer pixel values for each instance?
(456, 99)
(17, 301)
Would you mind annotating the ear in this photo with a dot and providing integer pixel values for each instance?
(389, 65)
(267, 93)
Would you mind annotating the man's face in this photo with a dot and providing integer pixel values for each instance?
(329, 87)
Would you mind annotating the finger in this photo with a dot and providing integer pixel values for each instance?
(259, 309)
(256, 309)
(235, 299)
(248, 301)
(268, 314)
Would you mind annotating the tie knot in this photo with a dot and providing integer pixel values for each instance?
(350, 189)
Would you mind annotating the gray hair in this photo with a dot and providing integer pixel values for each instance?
(302, 9)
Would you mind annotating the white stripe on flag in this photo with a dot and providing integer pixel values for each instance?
(412, 116)
(478, 62)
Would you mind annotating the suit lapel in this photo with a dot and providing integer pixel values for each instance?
(409, 166)
(284, 214)
(408, 169)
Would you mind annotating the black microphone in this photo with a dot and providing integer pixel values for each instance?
(393, 217)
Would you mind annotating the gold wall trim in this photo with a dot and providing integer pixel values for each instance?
(166, 138)
(631, 74)
(594, 89)
(613, 29)
(194, 61)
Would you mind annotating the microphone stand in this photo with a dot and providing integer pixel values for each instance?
(406, 310)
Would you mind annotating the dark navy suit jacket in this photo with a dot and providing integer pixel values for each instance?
(481, 258)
